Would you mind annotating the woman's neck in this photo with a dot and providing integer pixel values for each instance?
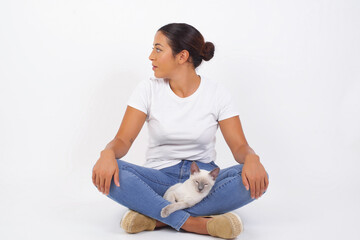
(185, 84)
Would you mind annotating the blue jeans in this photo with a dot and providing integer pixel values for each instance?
(141, 189)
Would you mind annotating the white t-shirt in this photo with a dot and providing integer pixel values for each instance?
(181, 128)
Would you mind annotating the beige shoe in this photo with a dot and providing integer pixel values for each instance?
(134, 222)
(228, 225)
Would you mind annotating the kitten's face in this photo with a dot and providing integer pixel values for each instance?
(202, 181)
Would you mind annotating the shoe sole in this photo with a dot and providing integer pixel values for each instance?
(236, 230)
(241, 223)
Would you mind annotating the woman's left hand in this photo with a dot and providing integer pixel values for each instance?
(255, 176)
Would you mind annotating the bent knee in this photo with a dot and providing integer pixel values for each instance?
(234, 170)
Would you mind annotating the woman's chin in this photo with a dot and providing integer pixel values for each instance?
(157, 75)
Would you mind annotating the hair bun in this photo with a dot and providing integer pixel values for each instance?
(208, 51)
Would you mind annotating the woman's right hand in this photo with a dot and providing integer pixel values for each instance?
(103, 171)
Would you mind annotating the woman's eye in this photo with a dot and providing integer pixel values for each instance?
(157, 49)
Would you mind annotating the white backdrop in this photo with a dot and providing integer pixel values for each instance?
(67, 69)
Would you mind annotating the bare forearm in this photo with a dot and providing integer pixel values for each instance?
(242, 152)
(116, 147)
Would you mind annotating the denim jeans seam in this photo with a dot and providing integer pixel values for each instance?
(181, 171)
(152, 180)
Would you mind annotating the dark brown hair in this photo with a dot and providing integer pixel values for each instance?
(182, 36)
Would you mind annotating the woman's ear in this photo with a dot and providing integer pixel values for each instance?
(183, 56)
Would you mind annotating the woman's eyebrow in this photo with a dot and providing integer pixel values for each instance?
(158, 44)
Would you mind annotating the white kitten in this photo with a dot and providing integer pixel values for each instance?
(193, 190)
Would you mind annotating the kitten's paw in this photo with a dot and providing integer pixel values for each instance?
(165, 212)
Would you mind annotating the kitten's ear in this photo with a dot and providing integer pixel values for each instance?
(194, 168)
(215, 172)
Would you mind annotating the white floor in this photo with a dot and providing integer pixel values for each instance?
(70, 207)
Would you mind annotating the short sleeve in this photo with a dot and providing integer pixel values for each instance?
(140, 97)
(226, 105)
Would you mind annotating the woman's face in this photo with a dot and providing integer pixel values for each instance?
(161, 57)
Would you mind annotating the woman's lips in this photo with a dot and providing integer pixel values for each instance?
(154, 67)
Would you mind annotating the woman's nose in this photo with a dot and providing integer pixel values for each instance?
(151, 57)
